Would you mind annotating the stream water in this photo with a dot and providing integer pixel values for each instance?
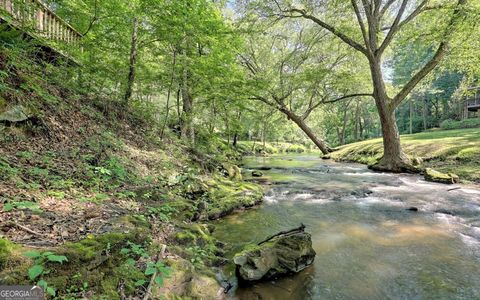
(368, 244)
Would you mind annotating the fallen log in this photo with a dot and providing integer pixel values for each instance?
(284, 233)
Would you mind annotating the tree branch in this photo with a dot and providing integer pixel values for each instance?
(263, 99)
(415, 13)
(311, 108)
(384, 9)
(327, 26)
(348, 96)
(429, 66)
(360, 21)
(394, 29)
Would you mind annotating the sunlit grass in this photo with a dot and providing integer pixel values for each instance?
(456, 151)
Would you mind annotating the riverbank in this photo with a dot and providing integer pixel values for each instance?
(97, 201)
(448, 151)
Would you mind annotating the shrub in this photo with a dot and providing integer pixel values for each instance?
(296, 149)
(467, 123)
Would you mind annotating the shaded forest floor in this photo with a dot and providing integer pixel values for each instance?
(84, 179)
(455, 151)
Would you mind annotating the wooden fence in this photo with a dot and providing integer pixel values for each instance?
(35, 15)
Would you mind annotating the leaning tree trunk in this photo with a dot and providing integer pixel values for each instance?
(308, 131)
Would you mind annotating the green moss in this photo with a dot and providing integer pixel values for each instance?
(469, 154)
(225, 196)
(6, 248)
(3, 104)
(184, 238)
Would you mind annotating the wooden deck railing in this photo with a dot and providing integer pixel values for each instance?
(473, 102)
(35, 15)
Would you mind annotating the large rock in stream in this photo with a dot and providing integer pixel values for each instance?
(284, 253)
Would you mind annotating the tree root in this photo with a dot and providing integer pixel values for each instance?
(395, 166)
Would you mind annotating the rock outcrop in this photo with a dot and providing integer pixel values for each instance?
(15, 114)
(435, 176)
(285, 253)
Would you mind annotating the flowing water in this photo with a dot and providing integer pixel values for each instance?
(368, 244)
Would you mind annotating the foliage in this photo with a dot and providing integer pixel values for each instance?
(467, 123)
(39, 268)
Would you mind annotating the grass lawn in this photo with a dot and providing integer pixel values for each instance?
(456, 151)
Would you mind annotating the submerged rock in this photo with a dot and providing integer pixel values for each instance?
(285, 253)
(257, 174)
(435, 176)
(264, 168)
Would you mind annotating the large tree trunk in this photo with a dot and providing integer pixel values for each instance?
(308, 131)
(133, 62)
(394, 159)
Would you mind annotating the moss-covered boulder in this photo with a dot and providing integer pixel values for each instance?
(284, 254)
(185, 282)
(225, 196)
(435, 176)
(233, 171)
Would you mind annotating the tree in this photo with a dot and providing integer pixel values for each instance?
(296, 70)
(378, 23)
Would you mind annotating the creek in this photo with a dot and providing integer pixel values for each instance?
(369, 244)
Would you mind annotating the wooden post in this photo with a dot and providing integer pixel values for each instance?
(40, 23)
(8, 6)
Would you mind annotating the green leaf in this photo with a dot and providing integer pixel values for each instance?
(57, 258)
(8, 207)
(140, 282)
(32, 254)
(150, 271)
(43, 284)
(130, 262)
(35, 271)
(165, 271)
(51, 291)
(159, 280)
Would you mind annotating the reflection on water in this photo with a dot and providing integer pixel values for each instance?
(369, 246)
